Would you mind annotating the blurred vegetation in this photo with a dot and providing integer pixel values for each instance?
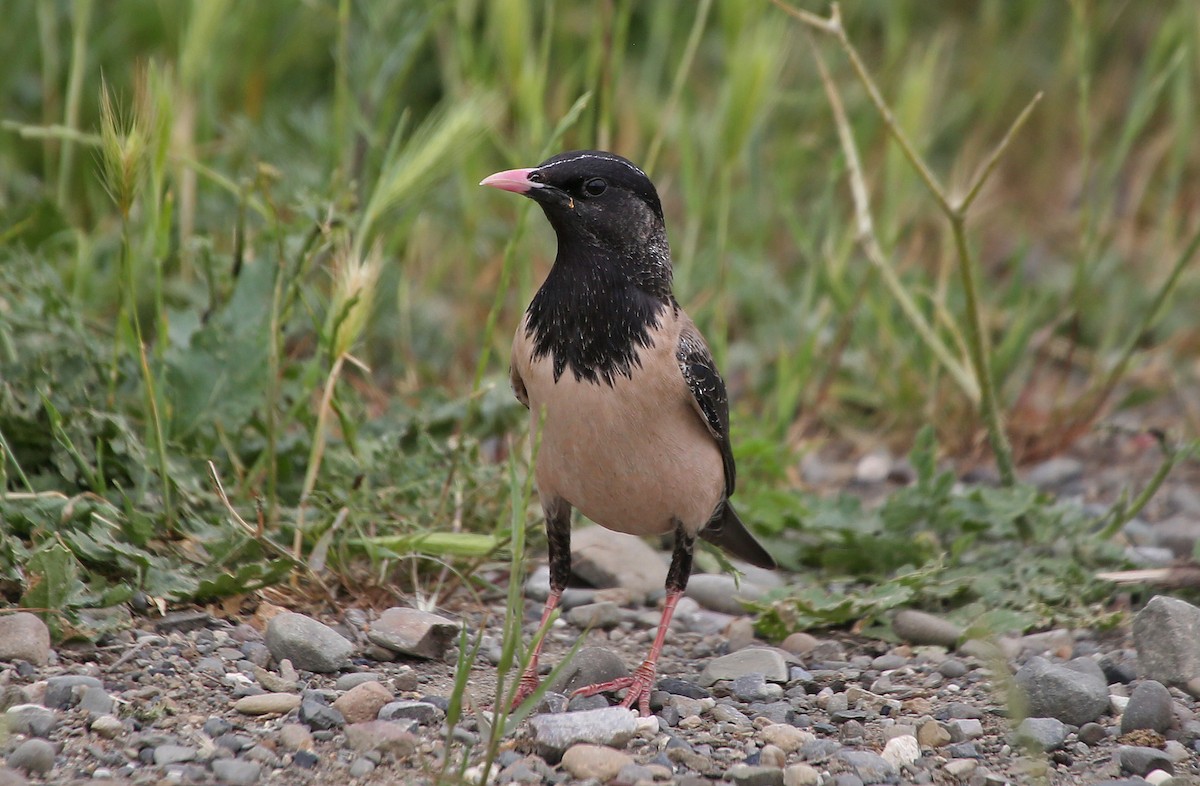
(250, 233)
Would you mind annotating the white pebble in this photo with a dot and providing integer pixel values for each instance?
(1156, 777)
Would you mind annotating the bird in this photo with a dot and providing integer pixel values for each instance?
(621, 387)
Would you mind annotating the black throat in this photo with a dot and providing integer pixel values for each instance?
(591, 316)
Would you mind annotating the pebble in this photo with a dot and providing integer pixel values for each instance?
(919, 627)
(603, 615)
(1042, 734)
(319, 716)
(799, 643)
(23, 636)
(754, 660)
(355, 678)
(591, 665)
(772, 756)
(412, 632)
(932, 734)
(309, 644)
(679, 687)
(1141, 760)
(611, 726)
(604, 558)
(31, 719)
(964, 729)
(1092, 734)
(267, 704)
(595, 761)
(33, 756)
(295, 737)
(174, 754)
(754, 687)
(61, 693)
(381, 736)
(785, 736)
(870, 767)
(1055, 472)
(107, 726)
(722, 592)
(960, 768)
(422, 712)
(362, 702)
(1166, 632)
(1071, 693)
(1150, 707)
(801, 775)
(236, 772)
(95, 701)
(901, 750)
(751, 775)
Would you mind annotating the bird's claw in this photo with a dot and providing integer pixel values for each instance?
(528, 684)
(637, 688)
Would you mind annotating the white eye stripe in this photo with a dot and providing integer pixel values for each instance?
(582, 156)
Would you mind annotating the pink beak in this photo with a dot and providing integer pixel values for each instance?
(514, 180)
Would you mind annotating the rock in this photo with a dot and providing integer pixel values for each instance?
(931, 734)
(95, 701)
(422, 712)
(1150, 707)
(1070, 694)
(273, 682)
(1140, 761)
(1159, 777)
(799, 643)
(362, 767)
(721, 592)
(1092, 734)
(362, 702)
(382, 736)
(754, 687)
(12, 778)
(753, 660)
(1178, 534)
(553, 734)
(30, 719)
(267, 704)
(354, 679)
(962, 729)
(1055, 472)
(236, 772)
(412, 632)
(772, 756)
(33, 756)
(1042, 734)
(1166, 633)
(604, 558)
(750, 775)
(785, 736)
(873, 468)
(603, 615)
(678, 687)
(23, 636)
(295, 737)
(960, 769)
(870, 767)
(183, 621)
(174, 754)
(918, 627)
(595, 761)
(901, 750)
(307, 643)
(320, 716)
(61, 692)
(107, 726)
(591, 665)
(801, 775)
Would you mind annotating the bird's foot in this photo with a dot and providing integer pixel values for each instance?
(637, 688)
(528, 684)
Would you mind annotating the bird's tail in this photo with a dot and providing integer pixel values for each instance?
(727, 531)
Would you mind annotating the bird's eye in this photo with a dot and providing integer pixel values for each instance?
(595, 187)
(535, 177)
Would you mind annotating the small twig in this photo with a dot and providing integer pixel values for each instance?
(994, 159)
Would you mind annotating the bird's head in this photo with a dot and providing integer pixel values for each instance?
(601, 206)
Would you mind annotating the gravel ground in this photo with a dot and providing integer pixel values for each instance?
(288, 699)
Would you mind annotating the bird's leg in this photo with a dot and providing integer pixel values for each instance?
(558, 539)
(640, 684)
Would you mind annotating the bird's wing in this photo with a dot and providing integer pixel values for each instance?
(514, 377)
(708, 393)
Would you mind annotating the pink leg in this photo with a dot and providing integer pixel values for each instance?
(641, 682)
(529, 680)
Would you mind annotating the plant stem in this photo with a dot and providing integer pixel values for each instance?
(82, 14)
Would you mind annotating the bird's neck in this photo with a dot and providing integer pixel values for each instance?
(592, 315)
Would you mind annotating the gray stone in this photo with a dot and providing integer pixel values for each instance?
(174, 754)
(354, 679)
(307, 643)
(32, 755)
(585, 761)
(721, 592)
(236, 772)
(23, 636)
(12, 778)
(30, 719)
(553, 734)
(361, 767)
(800, 643)
(95, 701)
(1178, 534)
(1042, 734)
(785, 736)
(753, 660)
(1092, 734)
(602, 615)
(1166, 633)
(754, 687)
(412, 632)
(604, 558)
(107, 726)
(1069, 694)
(590, 666)
(382, 736)
(1150, 707)
(267, 704)
(1140, 761)
(420, 711)
(750, 775)
(871, 767)
(61, 693)
(901, 750)
(320, 716)
(964, 729)
(1054, 473)
(295, 737)
(801, 775)
(918, 627)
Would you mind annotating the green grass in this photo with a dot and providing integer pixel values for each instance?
(266, 248)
